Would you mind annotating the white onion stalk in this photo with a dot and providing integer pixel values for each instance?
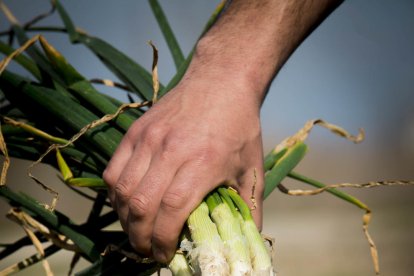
(231, 245)
(226, 219)
(259, 254)
(207, 257)
(262, 263)
(179, 266)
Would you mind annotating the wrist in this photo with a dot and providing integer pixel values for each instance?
(226, 73)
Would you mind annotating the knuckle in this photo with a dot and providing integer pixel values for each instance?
(176, 200)
(122, 191)
(133, 131)
(139, 205)
(152, 134)
(170, 145)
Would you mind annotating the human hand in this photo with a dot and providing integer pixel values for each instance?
(203, 133)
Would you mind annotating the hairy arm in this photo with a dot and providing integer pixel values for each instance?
(206, 131)
(255, 38)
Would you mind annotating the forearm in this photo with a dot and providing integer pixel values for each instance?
(253, 39)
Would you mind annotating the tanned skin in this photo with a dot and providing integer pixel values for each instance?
(206, 131)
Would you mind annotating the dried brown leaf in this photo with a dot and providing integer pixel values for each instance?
(303, 133)
(6, 161)
(26, 222)
(111, 83)
(155, 81)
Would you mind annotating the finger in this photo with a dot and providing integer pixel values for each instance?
(145, 201)
(129, 179)
(185, 193)
(116, 165)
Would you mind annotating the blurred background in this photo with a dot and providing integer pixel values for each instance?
(356, 70)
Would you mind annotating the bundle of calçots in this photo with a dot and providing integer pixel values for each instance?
(46, 111)
(223, 240)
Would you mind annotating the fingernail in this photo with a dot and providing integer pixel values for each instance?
(159, 255)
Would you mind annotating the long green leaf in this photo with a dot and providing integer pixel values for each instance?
(46, 71)
(20, 146)
(183, 67)
(272, 157)
(60, 65)
(169, 36)
(134, 75)
(90, 161)
(59, 109)
(22, 151)
(85, 90)
(335, 192)
(70, 27)
(24, 61)
(283, 166)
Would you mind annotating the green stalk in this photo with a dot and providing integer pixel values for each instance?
(225, 197)
(261, 261)
(169, 36)
(127, 70)
(335, 192)
(37, 132)
(272, 158)
(207, 257)
(88, 93)
(23, 152)
(240, 204)
(81, 87)
(184, 65)
(63, 166)
(283, 166)
(236, 248)
(89, 161)
(44, 101)
(46, 71)
(77, 182)
(24, 61)
(60, 65)
(89, 182)
(179, 266)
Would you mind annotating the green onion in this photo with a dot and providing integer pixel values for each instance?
(283, 165)
(207, 256)
(261, 261)
(179, 266)
(228, 225)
